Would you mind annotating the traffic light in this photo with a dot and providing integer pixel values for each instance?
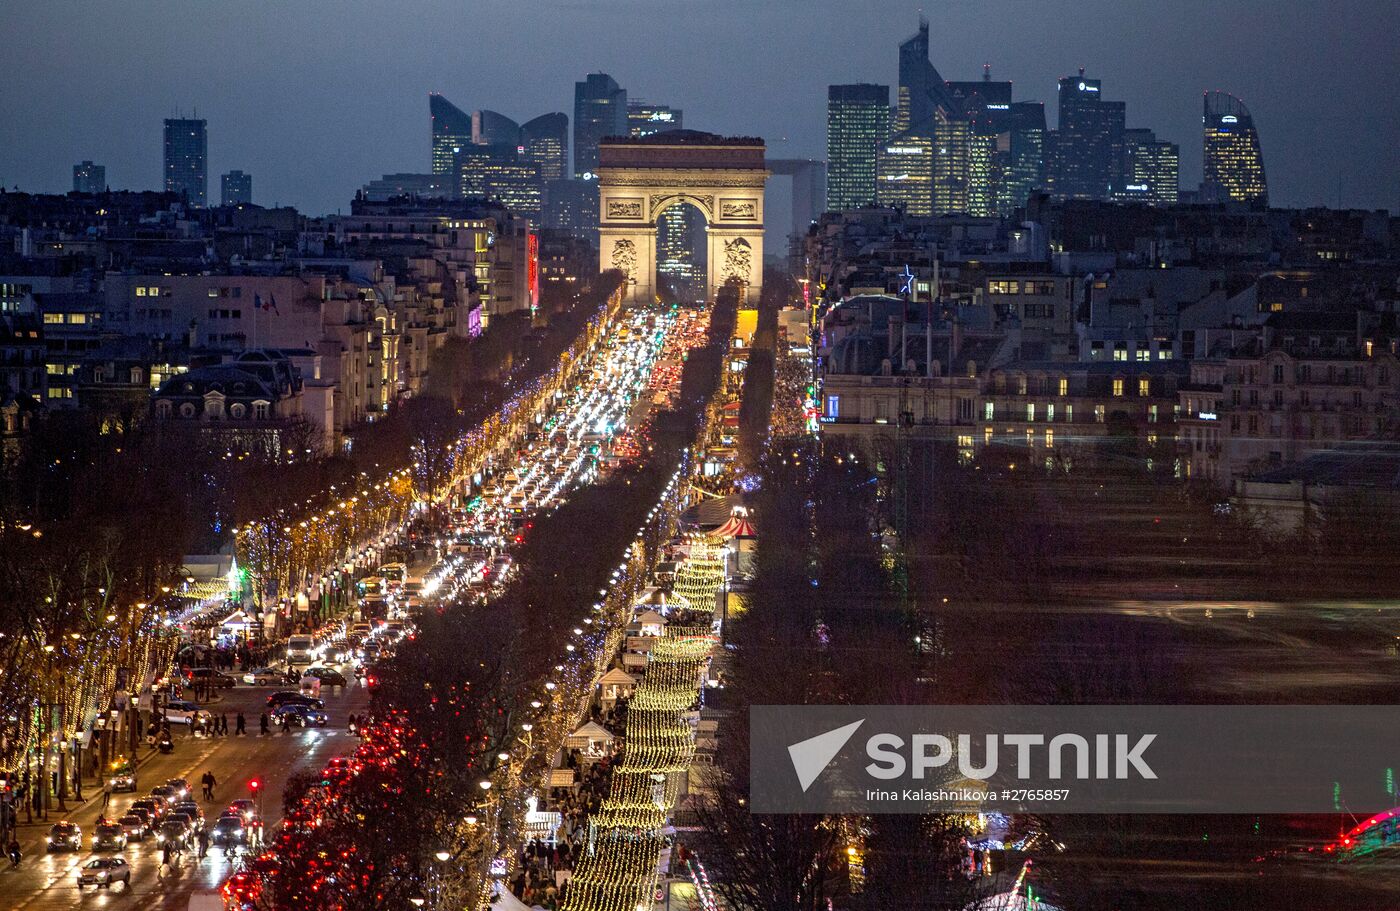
(254, 785)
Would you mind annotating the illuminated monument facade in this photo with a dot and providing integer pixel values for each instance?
(640, 178)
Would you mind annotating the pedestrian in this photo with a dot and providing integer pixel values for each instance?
(263, 723)
(286, 724)
(203, 843)
(209, 782)
(223, 723)
(239, 725)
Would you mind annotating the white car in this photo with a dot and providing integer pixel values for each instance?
(178, 711)
(263, 676)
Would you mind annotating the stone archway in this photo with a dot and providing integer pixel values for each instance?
(722, 177)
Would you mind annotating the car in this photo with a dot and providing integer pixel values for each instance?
(103, 871)
(263, 676)
(287, 697)
(245, 807)
(135, 827)
(300, 715)
(190, 808)
(229, 829)
(173, 832)
(208, 676)
(166, 793)
(181, 786)
(108, 836)
(122, 775)
(64, 836)
(149, 809)
(327, 675)
(178, 711)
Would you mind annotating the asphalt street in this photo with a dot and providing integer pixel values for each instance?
(46, 881)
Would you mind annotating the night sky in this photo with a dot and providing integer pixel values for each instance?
(315, 98)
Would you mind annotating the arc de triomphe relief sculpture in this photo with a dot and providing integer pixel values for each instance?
(723, 177)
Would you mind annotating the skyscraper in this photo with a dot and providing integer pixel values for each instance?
(600, 109)
(645, 118)
(680, 230)
(492, 129)
(236, 188)
(857, 125)
(89, 178)
(923, 95)
(452, 131)
(906, 173)
(1233, 161)
(545, 141)
(1089, 140)
(1023, 148)
(926, 109)
(1150, 167)
(187, 159)
(986, 106)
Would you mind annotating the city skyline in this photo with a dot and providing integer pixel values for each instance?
(758, 86)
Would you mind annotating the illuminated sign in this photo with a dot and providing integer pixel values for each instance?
(1206, 415)
(1136, 187)
(908, 276)
(1229, 118)
(532, 260)
(904, 150)
(662, 116)
(998, 107)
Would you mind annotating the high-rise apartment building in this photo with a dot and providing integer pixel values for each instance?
(235, 188)
(89, 178)
(600, 110)
(1089, 140)
(452, 131)
(187, 159)
(1150, 169)
(645, 118)
(1233, 161)
(857, 126)
(544, 142)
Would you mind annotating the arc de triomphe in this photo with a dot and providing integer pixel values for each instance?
(723, 177)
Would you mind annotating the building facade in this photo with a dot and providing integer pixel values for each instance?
(1233, 160)
(600, 110)
(236, 189)
(451, 132)
(89, 178)
(1088, 141)
(544, 143)
(187, 159)
(1150, 169)
(857, 127)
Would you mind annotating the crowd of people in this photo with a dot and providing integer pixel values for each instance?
(545, 865)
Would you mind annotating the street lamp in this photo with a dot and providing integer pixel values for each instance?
(444, 855)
